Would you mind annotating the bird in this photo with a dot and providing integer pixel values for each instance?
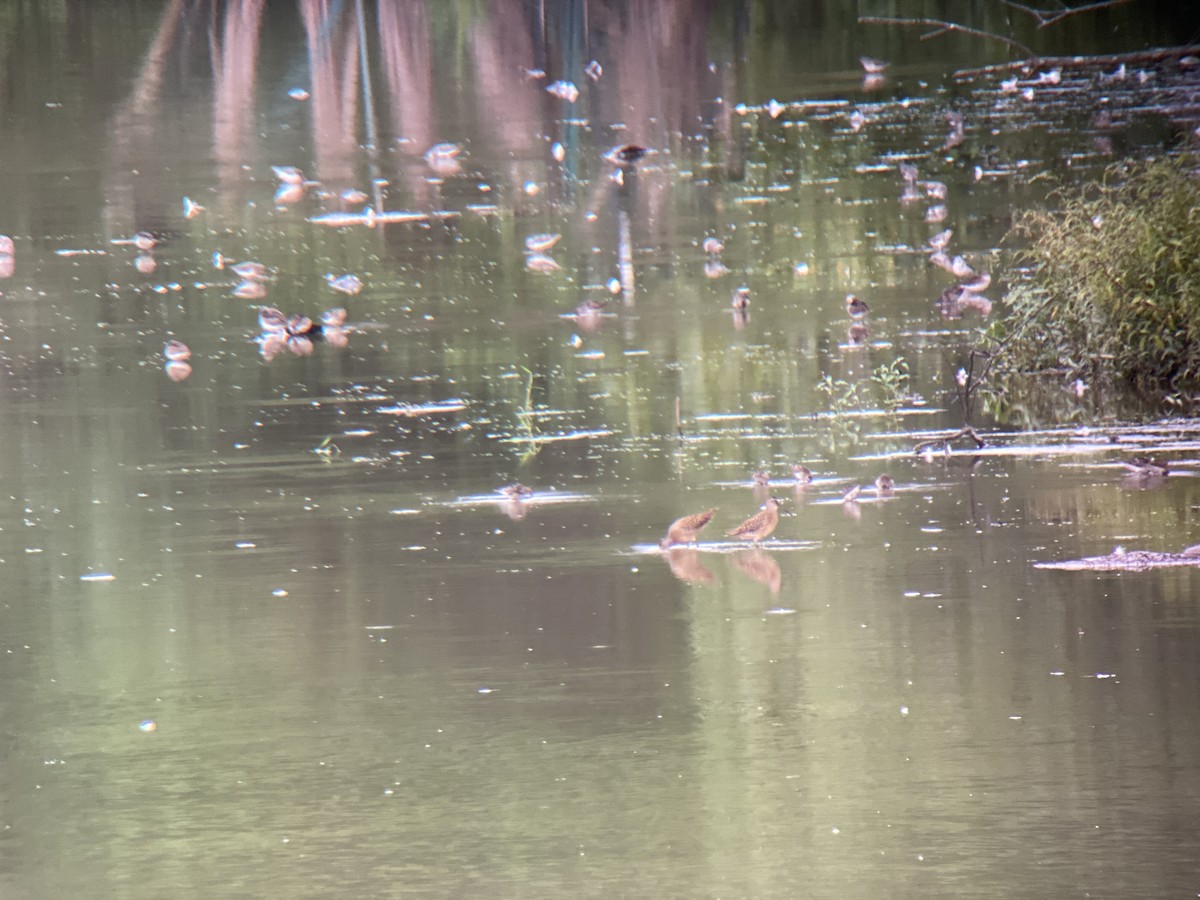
(625, 153)
(761, 478)
(873, 66)
(884, 484)
(176, 351)
(741, 298)
(685, 529)
(759, 526)
(802, 473)
(349, 284)
(271, 320)
(516, 491)
(960, 268)
(712, 245)
(852, 495)
(540, 243)
(941, 240)
(856, 306)
(251, 271)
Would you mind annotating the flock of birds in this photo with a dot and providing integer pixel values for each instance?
(756, 529)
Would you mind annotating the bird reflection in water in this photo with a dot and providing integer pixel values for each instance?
(589, 315)
(851, 508)
(685, 565)
(761, 566)
(516, 500)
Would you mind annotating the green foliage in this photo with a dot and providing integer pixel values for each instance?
(888, 382)
(891, 379)
(1114, 293)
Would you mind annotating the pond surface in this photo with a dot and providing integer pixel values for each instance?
(269, 629)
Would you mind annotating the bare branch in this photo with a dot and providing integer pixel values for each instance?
(942, 27)
(1045, 17)
(1139, 57)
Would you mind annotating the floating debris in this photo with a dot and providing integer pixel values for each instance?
(423, 409)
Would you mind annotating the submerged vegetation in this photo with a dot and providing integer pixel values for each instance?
(1113, 294)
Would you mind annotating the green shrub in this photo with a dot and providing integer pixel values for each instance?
(1113, 292)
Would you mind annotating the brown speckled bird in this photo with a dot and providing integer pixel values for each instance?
(856, 306)
(684, 530)
(758, 527)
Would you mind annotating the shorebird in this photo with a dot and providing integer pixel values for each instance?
(349, 283)
(684, 530)
(941, 240)
(741, 298)
(761, 478)
(251, 271)
(852, 495)
(873, 66)
(712, 245)
(540, 243)
(176, 351)
(960, 268)
(856, 306)
(884, 484)
(625, 153)
(759, 526)
(802, 473)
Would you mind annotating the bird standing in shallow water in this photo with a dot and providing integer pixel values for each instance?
(802, 473)
(516, 491)
(758, 527)
(741, 298)
(684, 530)
(856, 306)
(884, 484)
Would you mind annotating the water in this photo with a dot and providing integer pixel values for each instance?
(268, 630)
